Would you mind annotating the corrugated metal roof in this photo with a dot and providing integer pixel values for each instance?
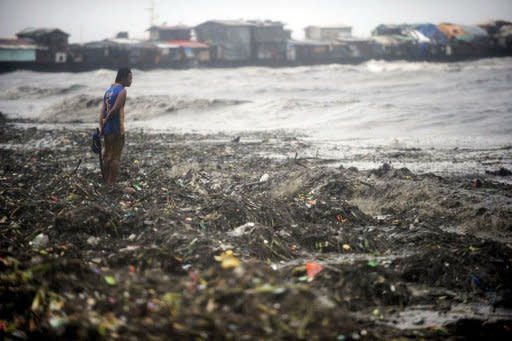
(125, 41)
(165, 27)
(353, 40)
(330, 27)
(164, 45)
(188, 43)
(266, 23)
(19, 44)
(31, 31)
(244, 23)
(235, 23)
(308, 43)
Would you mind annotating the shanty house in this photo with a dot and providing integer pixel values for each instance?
(308, 51)
(55, 40)
(500, 36)
(100, 54)
(390, 30)
(118, 52)
(355, 49)
(230, 40)
(169, 54)
(327, 33)
(189, 52)
(166, 33)
(429, 42)
(18, 50)
(433, 33)
(395, 46)
(269, 40)
(465, 41)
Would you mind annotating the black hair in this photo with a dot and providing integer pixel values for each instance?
(122, 73)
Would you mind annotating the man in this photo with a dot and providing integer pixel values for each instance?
(112, 123)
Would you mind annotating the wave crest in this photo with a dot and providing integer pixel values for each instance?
(24, 92)
(86, 108)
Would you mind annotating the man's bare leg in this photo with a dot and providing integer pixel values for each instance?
(107, 170)
(114, 171)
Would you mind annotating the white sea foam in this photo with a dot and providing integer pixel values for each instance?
(373, 100)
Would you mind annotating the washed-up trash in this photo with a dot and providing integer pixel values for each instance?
(313, 269)
(228, 260)
(110, 280)
(129, 190)
(311, 203)
(40, 241)
(264, 177)
(241, 230)
(93, 241)
(372, 263)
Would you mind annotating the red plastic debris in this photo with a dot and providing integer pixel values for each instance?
(313, 269)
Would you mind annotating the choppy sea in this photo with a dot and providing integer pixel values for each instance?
(442, 116)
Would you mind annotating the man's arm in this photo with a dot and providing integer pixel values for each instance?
(101, 116)
(121, 98)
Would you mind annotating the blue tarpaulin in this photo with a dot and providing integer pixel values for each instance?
(433, 33)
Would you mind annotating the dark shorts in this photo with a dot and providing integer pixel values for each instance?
(113, 146)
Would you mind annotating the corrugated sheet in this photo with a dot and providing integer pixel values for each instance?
(18, 44)
(188, 43)
(38, 32)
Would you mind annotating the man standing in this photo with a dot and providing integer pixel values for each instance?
(112, 123)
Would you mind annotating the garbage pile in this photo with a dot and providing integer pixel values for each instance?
(205, 238)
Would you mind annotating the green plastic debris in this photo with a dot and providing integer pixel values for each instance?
(110, 280)
(373, 263)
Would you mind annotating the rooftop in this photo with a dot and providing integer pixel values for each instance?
(36, 32)
(243, 23)
(18, 44)
(166, 27)
(343, 27)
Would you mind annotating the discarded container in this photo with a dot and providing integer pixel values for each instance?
(313, 269)
(228, 260)
(40, 241)
(264, 177)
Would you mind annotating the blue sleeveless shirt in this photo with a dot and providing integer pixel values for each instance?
(113, 125)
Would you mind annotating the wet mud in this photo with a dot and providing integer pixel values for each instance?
(207, 237)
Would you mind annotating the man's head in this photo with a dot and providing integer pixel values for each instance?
(124, 76)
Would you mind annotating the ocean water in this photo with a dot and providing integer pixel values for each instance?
(394, 105)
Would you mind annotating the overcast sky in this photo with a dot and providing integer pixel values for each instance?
(88, 20)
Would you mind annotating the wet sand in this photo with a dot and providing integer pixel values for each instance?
(205, 237)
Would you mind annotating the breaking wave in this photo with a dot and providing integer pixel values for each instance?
(85, 108)
(24, 92)
(373, 100)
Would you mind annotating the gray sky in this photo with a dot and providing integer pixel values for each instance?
(88, 20)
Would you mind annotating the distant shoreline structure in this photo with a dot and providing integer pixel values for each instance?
(228, 43)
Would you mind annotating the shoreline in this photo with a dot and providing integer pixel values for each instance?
(403, 254)
(6, 67)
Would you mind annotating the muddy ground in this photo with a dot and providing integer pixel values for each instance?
(209, 238)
